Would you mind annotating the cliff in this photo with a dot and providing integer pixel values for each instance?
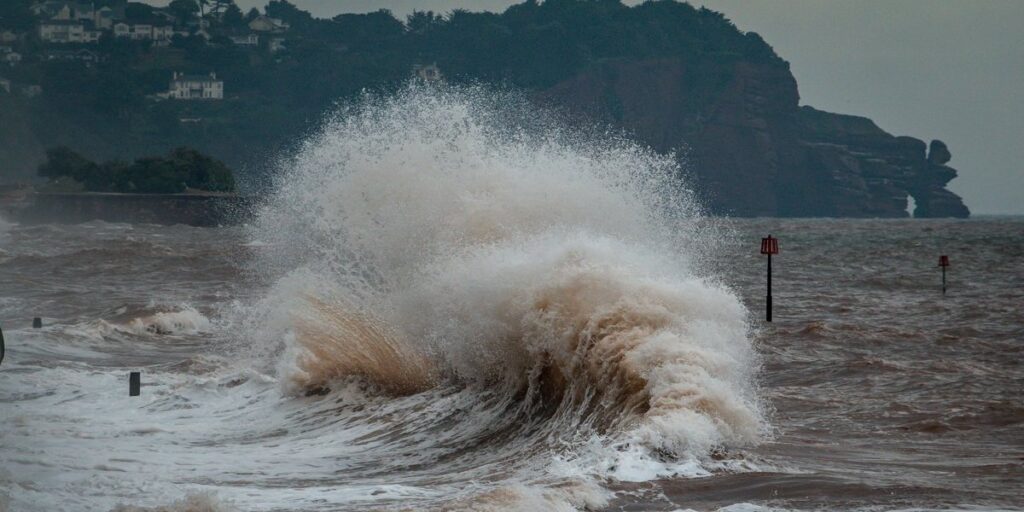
(753, 151)
(679, 78)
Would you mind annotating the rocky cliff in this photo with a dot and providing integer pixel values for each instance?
(678, 77)
(753, 151)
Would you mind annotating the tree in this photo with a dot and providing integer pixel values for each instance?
(421, 22)
(232, 16)
(286, 11)
(219, 7)
(15, 15)
(138, 11)
(202, 172)
(152, 175)
(184, 9)
(182, 169)
(62, 161)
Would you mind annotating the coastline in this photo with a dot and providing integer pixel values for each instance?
(201, 209)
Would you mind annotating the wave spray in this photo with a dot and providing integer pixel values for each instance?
(458, 245)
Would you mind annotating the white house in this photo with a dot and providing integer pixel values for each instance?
(250, 39)
(82, 55)
(6, 36)
(428, 73)
(75, 11)
(196, 87)
(31, 91)
(144, 32)
(276, 44)
(265, 23)
(67, 31)
(5, 85)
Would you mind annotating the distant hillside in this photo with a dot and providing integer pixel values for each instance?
(677, 77)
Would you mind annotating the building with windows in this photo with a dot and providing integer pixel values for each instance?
(196, 87)
(427, 73)
(264, 23)
(68, 31)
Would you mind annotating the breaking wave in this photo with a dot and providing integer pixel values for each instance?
(457, 240)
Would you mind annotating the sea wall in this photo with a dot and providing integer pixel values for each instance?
(165, 209)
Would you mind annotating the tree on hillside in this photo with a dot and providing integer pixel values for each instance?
(62, 161)
(421, 22)
(182, 169)
(184, 9)
(138, 11)
(232, 16)
(15, 15)
(202, 172)
(286, 11)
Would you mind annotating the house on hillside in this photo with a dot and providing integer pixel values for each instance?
(427, 73)
(155, 31)
(64, 10)
(72, 11)
(68, 31)
(248, 40)
(82, 55)
(5, 85)
(265, 23)
(11, 58)
(276, 44)
(195, 87)
(7, 37)
(31, 91)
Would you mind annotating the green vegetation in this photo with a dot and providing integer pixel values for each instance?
(276, 93)
(179, 171)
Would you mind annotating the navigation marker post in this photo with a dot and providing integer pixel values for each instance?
(37, 323)
(134, 384)
(943, 262)
(769, 246)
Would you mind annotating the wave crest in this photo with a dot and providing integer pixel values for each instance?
(459, 237)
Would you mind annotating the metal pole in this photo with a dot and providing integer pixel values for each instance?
(768, 304)
(943, 280)
(134, 383)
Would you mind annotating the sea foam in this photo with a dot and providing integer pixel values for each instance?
(447, 236)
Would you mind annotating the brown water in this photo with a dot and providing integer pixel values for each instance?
(886, 393)
(883, 393)
(450, 301)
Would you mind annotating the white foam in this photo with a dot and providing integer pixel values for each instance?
(498, 249)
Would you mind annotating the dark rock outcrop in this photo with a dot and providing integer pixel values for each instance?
(929, 186)
(753, 150)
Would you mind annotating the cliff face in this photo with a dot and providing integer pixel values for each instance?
(753, 151)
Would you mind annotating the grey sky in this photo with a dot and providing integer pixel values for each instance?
(931, 69)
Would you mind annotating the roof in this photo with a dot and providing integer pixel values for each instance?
(195, 78)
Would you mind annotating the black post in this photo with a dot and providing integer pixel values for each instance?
(37, 323)
(943, 280)
(134, 383)
(768, 304)
(1, 345)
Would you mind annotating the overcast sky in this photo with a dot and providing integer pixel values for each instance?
(931, 69)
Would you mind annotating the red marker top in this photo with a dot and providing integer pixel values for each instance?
(769, 245)
(943, 261)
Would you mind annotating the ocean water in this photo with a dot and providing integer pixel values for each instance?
(451, 302)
